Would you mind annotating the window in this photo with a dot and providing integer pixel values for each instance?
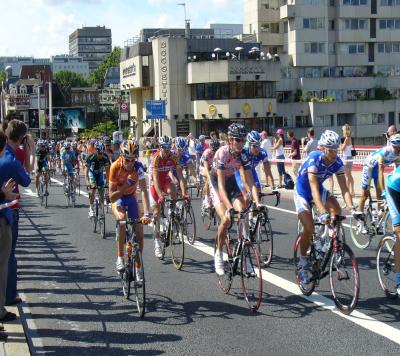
(389, 24)
(314, 23)
(355, 24)
(303, 121)
(285, 27)
(314, 47)
(352, 48)
(354, 2)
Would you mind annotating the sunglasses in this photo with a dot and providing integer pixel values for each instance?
(238, 139)
(333, 150)
(129, 160)
(255, 146)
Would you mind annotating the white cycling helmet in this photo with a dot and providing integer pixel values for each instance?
(329, 139)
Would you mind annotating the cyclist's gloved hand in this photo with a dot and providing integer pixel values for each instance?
(161, 198)
(146, 218)
(324, 217)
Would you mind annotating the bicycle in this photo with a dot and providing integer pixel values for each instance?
(261, 231)
(69, 190)
(373, 224)
(241, 258)
(339, 256)
(385, 265)
(134, 268)
(99, 218)
(171, 233)
(43, 187)
(209, 217)
(77, 180)
(185, 215)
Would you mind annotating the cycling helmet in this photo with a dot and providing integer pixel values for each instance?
(40, 142)
(129, 148)
(99, 146)
(280, 132)
(106, 140)
(214, 144)
(254, 138)
(202, 138)
(395, 140)
(67, 145)
(236, 130)
(329, 139)
(181, 143)
(165, 141)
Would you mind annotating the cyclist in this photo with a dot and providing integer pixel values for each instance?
(116, 150)
(374, 166)
(201, 146)
(318, 166)
(107, 148)
(126, 174)
(225, 194)
(95, 165)
(42, 158)
(393, 200)
(185, 160)
(162, 163)
(77, 154)
(256, 155)
(52, 155)
(205, 168)
(68, 161)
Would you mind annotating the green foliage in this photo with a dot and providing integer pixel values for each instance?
(70, 79)
(112, 60)
(3, 76)
(101, 129)
(298, 95)
(382, 93)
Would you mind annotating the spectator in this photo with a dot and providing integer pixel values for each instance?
(213, 135)
(280, 155)
(192, 146)
(294, 152)
(390, 131)
(346, 147)
(266, 143)
(312, 144)
(10, 168)
(16, 133)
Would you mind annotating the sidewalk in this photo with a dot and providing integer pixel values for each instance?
(16, 344)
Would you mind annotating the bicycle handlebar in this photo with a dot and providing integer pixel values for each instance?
(276, 193)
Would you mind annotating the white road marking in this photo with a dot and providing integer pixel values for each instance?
(85, 194)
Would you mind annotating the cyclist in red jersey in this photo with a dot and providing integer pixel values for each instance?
(162, 163)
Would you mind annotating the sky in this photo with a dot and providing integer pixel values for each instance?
(41, 28)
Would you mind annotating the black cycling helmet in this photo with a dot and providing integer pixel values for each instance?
(214, 144)
(236, 130)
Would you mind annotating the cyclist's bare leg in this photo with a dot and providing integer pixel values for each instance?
(223, 226)
(307, 221)
(120, 215)
(92, 194)
(156, 214)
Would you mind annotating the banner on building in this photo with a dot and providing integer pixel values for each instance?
(69, 118)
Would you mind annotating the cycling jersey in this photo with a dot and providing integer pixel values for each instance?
(68, 157)
(207, 156)
(42, 157)
(184, 160)
(96, 164)
(229, 162)
(163, 166)
(315, 165)
(393, 180)
(119, 176)
(384, 156)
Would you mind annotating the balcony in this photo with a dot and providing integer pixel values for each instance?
(287, 12)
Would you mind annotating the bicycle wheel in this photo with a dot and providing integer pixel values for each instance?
(102, 221)
(387, 228)
(344, 279)
(177, 243)
(46, 194)
(251, 275)
(264, 242)
(306, 288)
(206, 217)
(225, 281)
(41, 192)
(95, 218)
(385, 266)
(126, 278)
(359, 239)
(189, 227)
(139, 285)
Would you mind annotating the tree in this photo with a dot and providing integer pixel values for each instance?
(70, 79)
(3, 76)
(101, 129)
(112, 60)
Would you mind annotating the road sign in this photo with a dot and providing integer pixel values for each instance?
(124, 107)
(155, 109)
(124, 116)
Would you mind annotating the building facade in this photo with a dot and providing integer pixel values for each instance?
(207, 83)
(93, 44)
(340, 61)
(16, 63)
(72, 64)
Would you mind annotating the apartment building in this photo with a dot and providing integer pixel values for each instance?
(93, 44)
(340, 61)
(72, 64)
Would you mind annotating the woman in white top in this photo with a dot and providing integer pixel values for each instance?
(279, 154)
(346, 147)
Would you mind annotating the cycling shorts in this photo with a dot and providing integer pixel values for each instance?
(303, 205)
(129, 203)
(232, 189)
(96, 179)
(164, 185)
(42, 165)
(393, 200)
(368, 174)
(255, 180)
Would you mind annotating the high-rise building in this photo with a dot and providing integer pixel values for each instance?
(339, 59)
(72, 64)
(93, 44)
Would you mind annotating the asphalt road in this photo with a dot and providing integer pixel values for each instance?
(74, 303)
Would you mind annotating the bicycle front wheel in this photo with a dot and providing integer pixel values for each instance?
(95, 218)
(139, 284)
(344, 279)
(385, 266)
(225, 281)
(361, 240)
(177, 243)
(265, 242)
(306, 288)
(251, 275)
(189, 228)
(46, 194)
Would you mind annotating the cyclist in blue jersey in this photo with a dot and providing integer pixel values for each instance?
(374, 166)
(68, 160)
(256, 154)
(393, 199)
(318, 166)
(184, 158)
